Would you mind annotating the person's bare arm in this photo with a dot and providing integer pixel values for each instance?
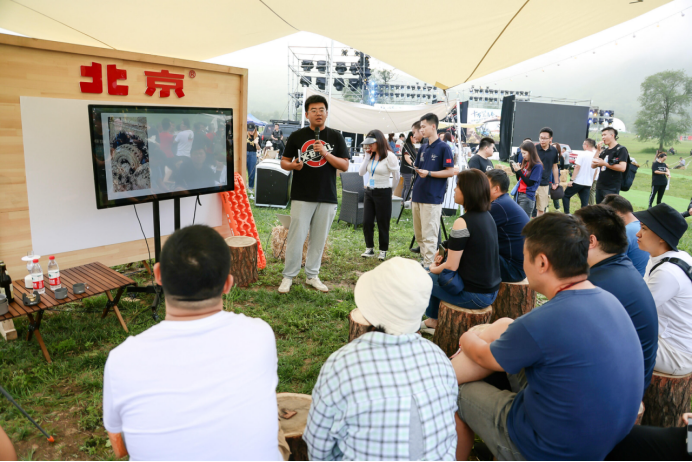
(289, 164)
(620, 167)
(7, 451)
(556, 176)
(478, 351)
(118, 444)
(408, 160)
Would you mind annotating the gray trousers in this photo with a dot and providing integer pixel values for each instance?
(317, 218)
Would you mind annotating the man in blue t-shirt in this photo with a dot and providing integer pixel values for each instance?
(434, 164)
(510, 220)
(575, 363)
(624, 209)
(613, 272)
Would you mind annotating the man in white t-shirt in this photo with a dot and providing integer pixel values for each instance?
(183, 140)
(200, 385)
(582, 177)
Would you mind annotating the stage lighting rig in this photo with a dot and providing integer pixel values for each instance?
(305, 81)
(307, 65)
(321, 82)
(344, 52)
(340, 68)
(322, 66)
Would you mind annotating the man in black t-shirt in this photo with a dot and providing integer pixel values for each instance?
(549, 157)
(612, 161)
(659, 178)
(481, 161)
(314, 162)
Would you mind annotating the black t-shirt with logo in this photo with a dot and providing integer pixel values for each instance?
(610, 179)
(480, 163)
(316, 181)
(656, 178)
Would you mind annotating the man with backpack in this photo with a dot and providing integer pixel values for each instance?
(613, 160)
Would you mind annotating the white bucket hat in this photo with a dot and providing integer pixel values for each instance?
(394, 295)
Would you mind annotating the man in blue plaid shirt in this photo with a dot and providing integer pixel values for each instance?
(390, 394)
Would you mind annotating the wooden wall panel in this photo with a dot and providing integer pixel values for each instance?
(39, 68)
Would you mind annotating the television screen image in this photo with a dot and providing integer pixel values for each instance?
(146, 153)
(129, 154)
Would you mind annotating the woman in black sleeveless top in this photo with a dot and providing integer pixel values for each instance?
(472, 251)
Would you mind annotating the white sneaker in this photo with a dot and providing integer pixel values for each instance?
(383, 255)
(369, 252)
(317, 284)
(285, 285)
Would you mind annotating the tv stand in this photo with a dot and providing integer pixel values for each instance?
(156, 289)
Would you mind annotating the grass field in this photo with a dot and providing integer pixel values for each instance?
(65, 397)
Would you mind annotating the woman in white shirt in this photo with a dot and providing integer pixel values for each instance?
(670, 284)
(379, 164)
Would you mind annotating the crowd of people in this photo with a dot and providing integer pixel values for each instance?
(564, 381)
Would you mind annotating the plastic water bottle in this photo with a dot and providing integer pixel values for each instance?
(37, 277)
(53, 274)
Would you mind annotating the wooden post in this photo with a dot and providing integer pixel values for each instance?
(294, 426)
(452, 321)
(667, 399)
(514, 299)
(243, 259)
(357, 325)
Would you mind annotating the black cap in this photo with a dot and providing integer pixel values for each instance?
(666, 222)
(250, 126)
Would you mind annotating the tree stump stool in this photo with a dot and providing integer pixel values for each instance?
(357, 325)
(667, 399)
(278, 243)
(293, 425)
(640, 414)
(452, 321)
(514, 299)
(243, 259)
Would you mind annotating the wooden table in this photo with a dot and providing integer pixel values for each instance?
(98, 277)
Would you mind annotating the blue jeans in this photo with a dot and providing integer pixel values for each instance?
(251, 164)
(510, 272)
(465, 299)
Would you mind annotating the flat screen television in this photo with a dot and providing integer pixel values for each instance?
(148, 153)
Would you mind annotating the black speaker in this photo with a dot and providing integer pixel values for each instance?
(273, 184)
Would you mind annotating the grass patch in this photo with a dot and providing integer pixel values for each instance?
(65, 397)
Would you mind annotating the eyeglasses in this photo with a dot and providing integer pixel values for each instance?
(317, 111)
(544, 139)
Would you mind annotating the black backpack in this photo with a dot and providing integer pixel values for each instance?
(677, 262)
(628, 175)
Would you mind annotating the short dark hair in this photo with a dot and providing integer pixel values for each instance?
(415, 125)
(195, 263)
(567, 251)
(475, 188)
(186, 121)
(166, 124)
(547, 130)
(401, 135)
(618, 203)
(316, 99)
(485, 142)
(612, 129)
(498, 177)
(591, 142)
(431, 119)
(606, 225)
(662, 154)
(527, 139)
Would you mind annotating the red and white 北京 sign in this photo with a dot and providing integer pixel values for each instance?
(163, 81)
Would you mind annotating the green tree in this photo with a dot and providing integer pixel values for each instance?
(384, 77)
(664, 100)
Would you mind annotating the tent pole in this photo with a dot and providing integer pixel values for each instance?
(461, 156)
(302, 112)
(329, 79)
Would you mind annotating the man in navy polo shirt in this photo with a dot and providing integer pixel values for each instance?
(435, 163)
(613, 271)
(510, 220)
(549, 158)
(575, 364)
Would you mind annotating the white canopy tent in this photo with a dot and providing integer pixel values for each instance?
(409, 35)
(361, 118)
